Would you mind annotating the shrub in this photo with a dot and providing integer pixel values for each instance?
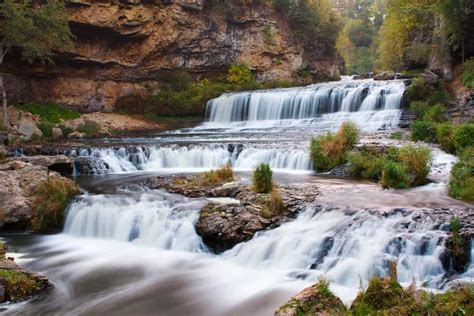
(51, 199)
(423, 131)
(419, 108)
(464, 136)
(50, 112)
(239, 73)
(468, 73)
(418, 90)
(262, 179)
(417, 161)
(330, 150)
(444, 137)
(90, 128)
(461, 182)
(66, 130)
(394, 175)
(274, 206)
(434, 114)
(366, 165)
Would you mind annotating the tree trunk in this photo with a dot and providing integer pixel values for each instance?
(3, 93)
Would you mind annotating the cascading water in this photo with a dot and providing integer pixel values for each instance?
(371, 104)
(193, 157)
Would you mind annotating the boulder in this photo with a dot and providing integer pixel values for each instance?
(76, 135)
(314, 300)
(90, 166)
(57, 133)
(386, 75)
(28, 128)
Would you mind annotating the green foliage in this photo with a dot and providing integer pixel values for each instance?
(421, 90)
(464, 136)
(36, 30)
(394, 175)
(359, 32)
(468, 73)
(330, 150)
(423, 131)
(262, 179)
(49, 112)
(461, 182)
(46, 128)
(385, 296)
(90, 128)
(444, 136)
(19, 286)
(397, 168)
(366, 165)
(311, 20)
(268, 32)
(434, 113)
(51, 198)
(239, 74)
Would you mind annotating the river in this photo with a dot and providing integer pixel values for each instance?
(127, 250)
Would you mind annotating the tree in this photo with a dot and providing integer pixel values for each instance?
(35, 30)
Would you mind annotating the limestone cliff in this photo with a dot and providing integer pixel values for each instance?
(123, 47)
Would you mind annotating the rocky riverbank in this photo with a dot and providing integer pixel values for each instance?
(16, 283)
(235, 212)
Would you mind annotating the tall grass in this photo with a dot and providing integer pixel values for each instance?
(51, 199)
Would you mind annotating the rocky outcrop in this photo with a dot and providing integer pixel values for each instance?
(224, 224)
(18, 183)
(122, 48)
(314, 300)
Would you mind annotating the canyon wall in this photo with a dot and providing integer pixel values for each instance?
(124, 48)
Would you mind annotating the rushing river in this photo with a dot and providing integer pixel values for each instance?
(133, 251)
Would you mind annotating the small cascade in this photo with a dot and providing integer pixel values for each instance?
(348, 247)
(154, 219)
(371, 104)
(100, 161)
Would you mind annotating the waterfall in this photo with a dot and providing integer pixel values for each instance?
(371, 104)
(190, 158)
(348, 248)
(154, 219)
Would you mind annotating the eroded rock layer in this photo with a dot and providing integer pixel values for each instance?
(123, 47)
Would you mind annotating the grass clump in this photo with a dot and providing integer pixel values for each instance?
(51, 199)
(19, 285)
(274, 205)
(461, 182)
(396, 136)
(468, 73)
(50, 112)
(220, 175)
(330, 150)
(262, 178)
(90, 128)
(315, 300)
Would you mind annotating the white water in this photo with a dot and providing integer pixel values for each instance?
(348, 248)
(193, 158)
(371, 104)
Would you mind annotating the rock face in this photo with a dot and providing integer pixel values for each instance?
(18, 182)
(123, 47)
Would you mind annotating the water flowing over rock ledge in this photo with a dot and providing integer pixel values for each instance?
(224, 225)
